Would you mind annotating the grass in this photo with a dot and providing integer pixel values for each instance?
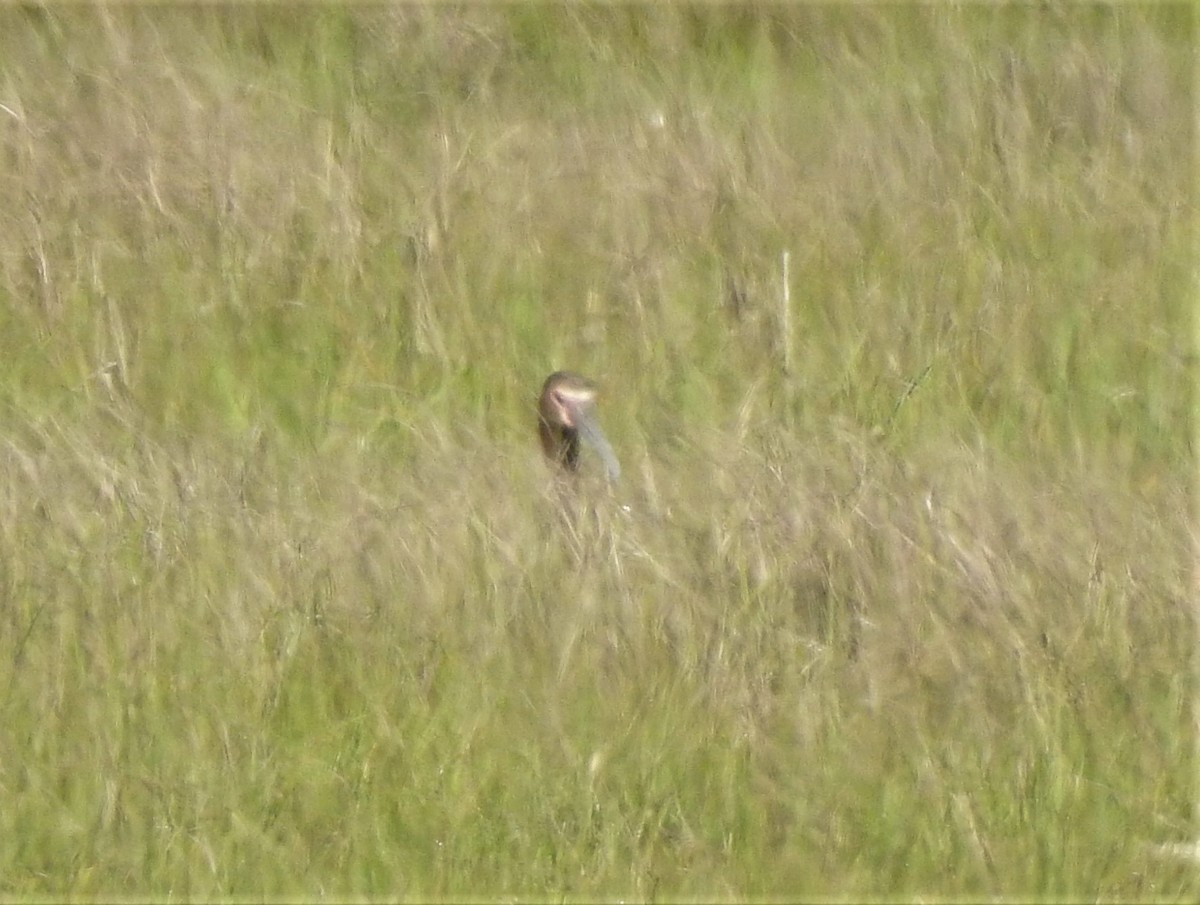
(292, 609)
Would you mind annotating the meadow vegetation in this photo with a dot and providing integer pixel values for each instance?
(894, 598)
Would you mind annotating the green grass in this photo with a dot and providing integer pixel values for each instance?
(289, 606)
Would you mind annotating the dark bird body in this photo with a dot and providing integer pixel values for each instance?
(566, 415)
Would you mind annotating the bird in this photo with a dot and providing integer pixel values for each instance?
(566, 413)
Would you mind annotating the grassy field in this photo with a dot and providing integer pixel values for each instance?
(895, 596)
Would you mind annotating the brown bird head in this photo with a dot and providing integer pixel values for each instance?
(566, 413)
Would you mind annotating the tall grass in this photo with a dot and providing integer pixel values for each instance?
(291, 608)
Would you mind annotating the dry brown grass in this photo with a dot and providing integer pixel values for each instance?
(290, 605)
